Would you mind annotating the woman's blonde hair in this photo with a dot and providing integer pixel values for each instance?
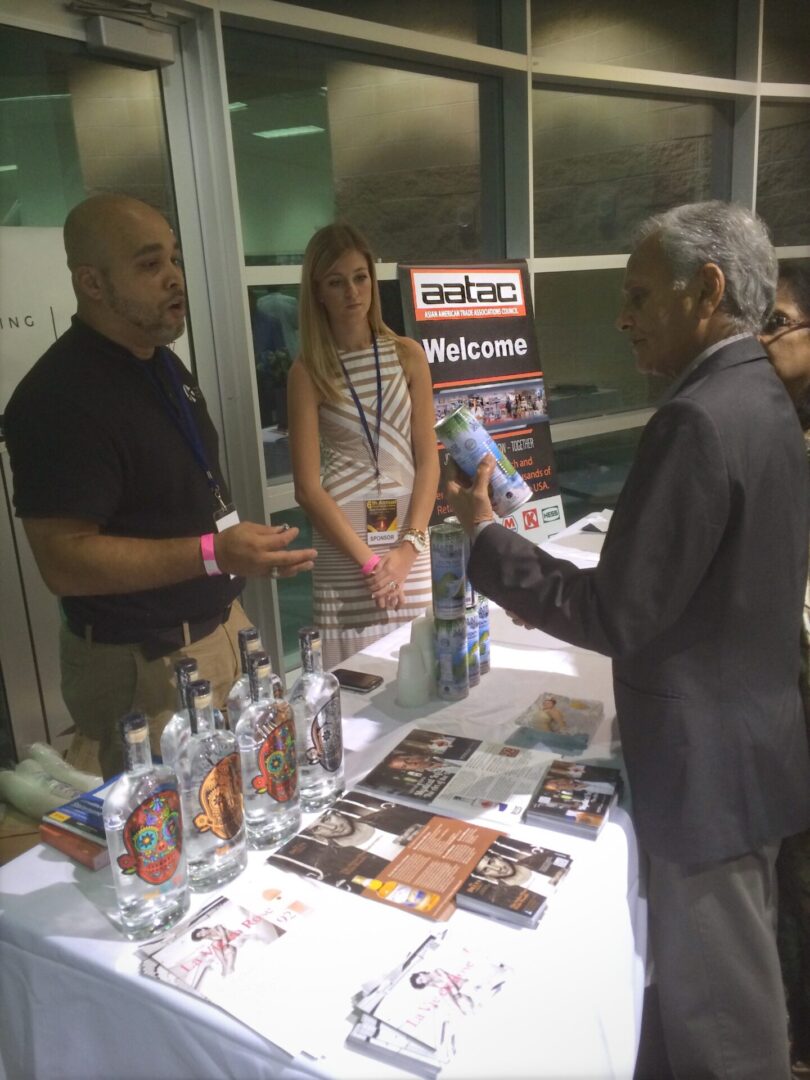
(318, 350)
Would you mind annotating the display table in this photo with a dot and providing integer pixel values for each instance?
(72, 1003)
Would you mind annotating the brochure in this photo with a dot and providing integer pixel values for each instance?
(459, 775)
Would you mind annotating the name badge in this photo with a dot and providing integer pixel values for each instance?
(382, 527)
(224, 519)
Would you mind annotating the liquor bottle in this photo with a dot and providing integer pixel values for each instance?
(211, 794)
(267, 752)
(315, 700)
(145, 837)
(239, 697)
(174, 735)
(396, 892)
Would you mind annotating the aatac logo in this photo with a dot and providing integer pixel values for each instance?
(467, 293)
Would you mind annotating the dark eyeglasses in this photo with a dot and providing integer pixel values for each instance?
(777, 323)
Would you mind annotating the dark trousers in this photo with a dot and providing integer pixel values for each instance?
(713, 941)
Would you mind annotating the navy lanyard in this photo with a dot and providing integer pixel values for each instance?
(373, 444)
(183, 419)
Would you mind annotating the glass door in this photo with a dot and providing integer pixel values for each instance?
(71, 125)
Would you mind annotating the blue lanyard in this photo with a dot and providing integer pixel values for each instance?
(183, 419)
(373, 444)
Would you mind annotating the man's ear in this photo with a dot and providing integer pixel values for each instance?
(712, 283)
(87, 280)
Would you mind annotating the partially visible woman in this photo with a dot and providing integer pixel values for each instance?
(787, 340)
(360, 404)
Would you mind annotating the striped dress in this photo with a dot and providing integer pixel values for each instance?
(343, 609)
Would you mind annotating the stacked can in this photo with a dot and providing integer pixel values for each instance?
(483, 634)
(467, 442)
(473, 656)
(448, 571)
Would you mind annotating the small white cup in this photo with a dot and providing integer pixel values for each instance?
(413, 681)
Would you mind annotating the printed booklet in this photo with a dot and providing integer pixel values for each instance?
(394, 854)
(77, 828)
(575, 797)
(513, 881)
(412, 1016)
(556, 722)
(460, 776)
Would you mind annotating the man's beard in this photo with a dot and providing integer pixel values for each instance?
(157, 329)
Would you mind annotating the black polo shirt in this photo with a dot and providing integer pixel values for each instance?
(91, 435)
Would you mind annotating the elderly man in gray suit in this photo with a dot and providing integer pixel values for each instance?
(697, 599)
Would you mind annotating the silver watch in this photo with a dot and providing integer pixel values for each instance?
(417, 538)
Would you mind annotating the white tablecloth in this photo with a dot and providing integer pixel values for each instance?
(72, 1003)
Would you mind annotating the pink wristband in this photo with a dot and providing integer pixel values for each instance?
(208, 556)
(368, 568)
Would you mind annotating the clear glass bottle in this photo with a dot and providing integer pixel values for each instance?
(315, 700)
(267, 751)
(145, 837)
(174, 736)
(239, 697)
(211, 794)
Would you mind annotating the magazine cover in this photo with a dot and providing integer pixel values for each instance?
(459, 775)
(395, 854)
(222, 947)
(513, 881)
(435, 991)
(575, 796)
(556, 722)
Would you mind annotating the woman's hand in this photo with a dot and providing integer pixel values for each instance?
(390, 573)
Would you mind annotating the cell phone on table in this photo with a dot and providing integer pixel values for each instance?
(358, 681)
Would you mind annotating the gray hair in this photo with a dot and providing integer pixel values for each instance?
(733, 238)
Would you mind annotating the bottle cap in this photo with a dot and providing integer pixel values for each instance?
(259, 663)
(199, 692)
(134, 727)
(247, 634)
(185, 666)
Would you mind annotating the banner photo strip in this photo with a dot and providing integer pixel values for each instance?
(475, 323)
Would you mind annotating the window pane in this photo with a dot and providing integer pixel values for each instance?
(783, 186)
(464, 20)
(318, 135)
(603, 162)
(588, 367)
(689, 36)
(786, 42)
(591, 472)
(71, 126)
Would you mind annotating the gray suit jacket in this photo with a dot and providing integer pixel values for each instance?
(697, 599)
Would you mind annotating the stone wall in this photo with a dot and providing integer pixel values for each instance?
(406, 160)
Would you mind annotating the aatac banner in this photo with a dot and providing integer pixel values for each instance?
(476, 326)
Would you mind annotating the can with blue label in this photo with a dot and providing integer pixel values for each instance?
(452, 683)
(467, 442)
(483, 634)
(448, 570)
(473, 663)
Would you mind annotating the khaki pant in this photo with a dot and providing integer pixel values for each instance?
(101, 683)
(712, 933)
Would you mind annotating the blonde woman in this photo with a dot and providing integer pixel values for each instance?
(360, 411)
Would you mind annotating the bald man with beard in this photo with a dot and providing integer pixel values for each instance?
(119, 488)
